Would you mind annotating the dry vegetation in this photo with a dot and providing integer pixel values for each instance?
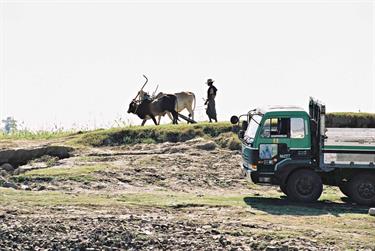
(351, 120)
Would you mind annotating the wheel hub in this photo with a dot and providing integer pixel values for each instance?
(366, 190)
(304, 186)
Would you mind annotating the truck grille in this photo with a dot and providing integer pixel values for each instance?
(246, 154)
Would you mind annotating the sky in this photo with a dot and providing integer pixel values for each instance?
(78, 64)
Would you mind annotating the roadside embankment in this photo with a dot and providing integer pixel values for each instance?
(221, 133)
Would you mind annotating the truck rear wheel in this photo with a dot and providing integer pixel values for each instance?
(304, 186)
(344, 188)
(283, 189)
(362, 189)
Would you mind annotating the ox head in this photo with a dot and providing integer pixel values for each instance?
(143, 95)
(133, 106)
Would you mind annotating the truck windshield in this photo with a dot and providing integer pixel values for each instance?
(252, 128)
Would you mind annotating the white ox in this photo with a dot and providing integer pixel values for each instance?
(185, 100)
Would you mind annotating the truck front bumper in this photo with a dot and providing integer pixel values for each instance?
(256, 177)
(246, 172)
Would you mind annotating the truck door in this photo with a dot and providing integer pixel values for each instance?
(275, 131)
(273, 142)
(299, 134)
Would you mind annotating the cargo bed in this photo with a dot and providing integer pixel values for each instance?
(349, 155)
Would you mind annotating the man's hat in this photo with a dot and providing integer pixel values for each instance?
(210, 81)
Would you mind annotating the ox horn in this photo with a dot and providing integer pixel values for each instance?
(142, 87)
(153, 94)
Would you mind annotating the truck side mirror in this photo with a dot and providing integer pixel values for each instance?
(234, 120)
(241, 134)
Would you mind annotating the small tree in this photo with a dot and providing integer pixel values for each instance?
(10, 125)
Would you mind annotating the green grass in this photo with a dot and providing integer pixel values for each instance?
(151, 134)
(266, 206)
(174, 200)
(34, 135)
(47, 198)
(77, 173)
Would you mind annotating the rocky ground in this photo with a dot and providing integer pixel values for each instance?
(169, 196)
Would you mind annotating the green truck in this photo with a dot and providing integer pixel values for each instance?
(286, 146)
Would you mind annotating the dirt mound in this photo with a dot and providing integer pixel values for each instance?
(19, 157)
(152, 134)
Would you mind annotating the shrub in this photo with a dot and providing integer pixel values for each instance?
(350, 120)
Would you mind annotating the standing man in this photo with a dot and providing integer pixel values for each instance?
(210, 102)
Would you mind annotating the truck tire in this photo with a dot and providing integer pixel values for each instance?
(283, 189)
(344, 188)
(362, 189)
(304, 186)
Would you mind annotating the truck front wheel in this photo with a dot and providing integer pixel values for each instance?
(304, 186)
(362, 189)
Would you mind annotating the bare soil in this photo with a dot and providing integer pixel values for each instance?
(170, 196)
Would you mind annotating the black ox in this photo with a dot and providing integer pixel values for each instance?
(146, 109)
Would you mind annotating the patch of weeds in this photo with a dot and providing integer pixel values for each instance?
(171, 136)
(47, 198)
(228, 140)
(141, 237)
(127, 140)
(148, 141)
(48, 160)
(79, 174)
(23, 178)
(19, 178)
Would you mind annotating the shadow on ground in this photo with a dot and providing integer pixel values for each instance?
(282, 206)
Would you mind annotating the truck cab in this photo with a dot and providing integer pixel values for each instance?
(285, 146)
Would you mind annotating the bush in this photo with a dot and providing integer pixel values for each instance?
(350, 120)
(229, 140)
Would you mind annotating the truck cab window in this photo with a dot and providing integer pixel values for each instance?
(297, 126)
(252, 128)
(276, 128)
